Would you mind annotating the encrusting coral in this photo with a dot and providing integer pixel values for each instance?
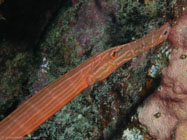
(164, 113)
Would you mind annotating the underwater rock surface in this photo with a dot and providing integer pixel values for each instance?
(165, 112)
(77, 32)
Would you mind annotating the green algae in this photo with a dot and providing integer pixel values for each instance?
(16, 68)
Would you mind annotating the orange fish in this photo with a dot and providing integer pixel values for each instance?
(56, 95)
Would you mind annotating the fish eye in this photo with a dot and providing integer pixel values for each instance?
(165, 32)
(157, 115)
(113, 54)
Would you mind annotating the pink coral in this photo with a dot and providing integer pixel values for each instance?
(180, 133)
(165, 112)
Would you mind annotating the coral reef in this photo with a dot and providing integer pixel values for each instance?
(164, 113)
(81, 31)
(78, 32)
(21, 29)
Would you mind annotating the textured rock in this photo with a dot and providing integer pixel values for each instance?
(178, 33)
(165, 112)
(181, 133)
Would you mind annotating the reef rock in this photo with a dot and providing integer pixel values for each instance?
(165, 112)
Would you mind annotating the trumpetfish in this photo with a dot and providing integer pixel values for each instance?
(49, 100)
